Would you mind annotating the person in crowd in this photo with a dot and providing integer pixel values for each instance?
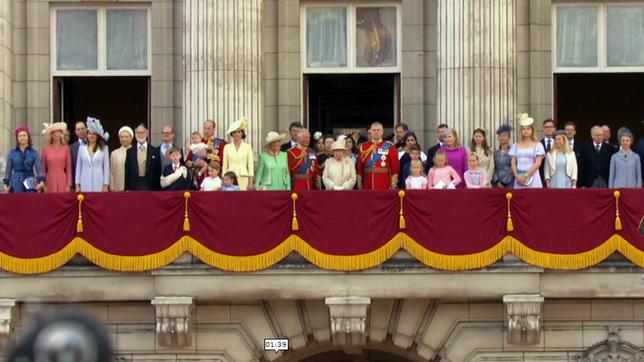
(577, 147)
(442, 175)
(93, 165)
(404, 156)
(174, 176)
(80, 130)
(378, 166)
(198, 148)
(340, 171)
(142, 164)
(212, 182)
(440, 134)
(327, 142)
(625, 165)
(66, 136)
(352, 149)
(483, 151)
(607, 137)
(400, 130)
(230, 182)
(416, 179)
(527, 155)
(272, 168)
(319, 143)
(596, 160)
(215, 152)
(303, 164)
(293, 129)
(117, 159)
(56, 159)
(167, 143)
(23, 172)
(503, 176)
(456, 154)
(475, 177)
(238, 155)
(548, 140)
(560, 171)
(414, 153)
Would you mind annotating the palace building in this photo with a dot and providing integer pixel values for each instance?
(521, 285)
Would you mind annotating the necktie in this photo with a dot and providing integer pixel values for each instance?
(548, 145)
(174, 168)
(141, 148)
(597, 148)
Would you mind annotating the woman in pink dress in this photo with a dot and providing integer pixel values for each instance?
(56, 160)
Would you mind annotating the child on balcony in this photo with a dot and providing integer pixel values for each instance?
(212, 182)
(475, 177)
(230, 182)
(416, 179)
(442, 175)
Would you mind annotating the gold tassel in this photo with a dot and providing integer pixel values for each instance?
(186, 221)
(618, 221)
(79, 223)
(401, 220)
(295, 226)
(509, 226)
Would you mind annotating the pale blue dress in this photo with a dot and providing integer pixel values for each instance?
(526, 157)
(560, 180)
(92, 173)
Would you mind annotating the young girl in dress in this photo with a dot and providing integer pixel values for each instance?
(475, 177)
(230, 182)
(416, 179)
(212, 182)
(442, 175)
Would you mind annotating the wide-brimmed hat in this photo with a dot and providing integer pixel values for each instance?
(273, 136)
(238, 124)
(94, 125)
(525, 120)
(56, 126)
(340, 144)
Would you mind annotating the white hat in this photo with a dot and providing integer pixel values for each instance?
(238, 124)
(127, 130)
(340, 144)
(94, 125)
(273, 136)
(525, 120)
(57, 126)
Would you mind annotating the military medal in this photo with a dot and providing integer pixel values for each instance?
(383, 158)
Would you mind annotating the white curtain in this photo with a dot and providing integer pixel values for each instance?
(577, 36)
(625, 35)
(76, 40)
(326, 37)
(127, 39)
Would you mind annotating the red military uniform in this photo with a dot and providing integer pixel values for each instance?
(377, 164)
(303, 167)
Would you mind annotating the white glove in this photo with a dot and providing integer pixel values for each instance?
(184, 171)
(338, 188)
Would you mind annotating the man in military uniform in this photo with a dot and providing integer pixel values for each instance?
(215, 150)
(378, 165)
(303, 164)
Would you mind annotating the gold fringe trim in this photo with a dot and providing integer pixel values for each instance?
(618, 221)
(186, 220)
(326, 261)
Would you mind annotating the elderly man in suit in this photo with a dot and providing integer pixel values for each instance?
(80, 129)
(167, 143)
(142, 164)
(596, 160)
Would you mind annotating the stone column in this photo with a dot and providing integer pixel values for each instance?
(222, 65)
(6, 76)
(476, 65)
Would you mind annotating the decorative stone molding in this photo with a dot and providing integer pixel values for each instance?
(612, 349)
(173, 320)
(524, 318)
(348, 319)
(6, 306)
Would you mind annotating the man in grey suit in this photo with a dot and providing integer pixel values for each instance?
(81, 138)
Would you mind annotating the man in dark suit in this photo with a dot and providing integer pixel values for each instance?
(548, 140)
(431, 152)
(293, 130)
(570, 128)
(596, 160)
(167, 143)
(607, 137)
(80, 129)
(142, 164)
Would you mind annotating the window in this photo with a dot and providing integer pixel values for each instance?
(343, 38)
(100, 41)
(598, 37)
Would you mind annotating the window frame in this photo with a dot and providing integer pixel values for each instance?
(101, 24)
(352, 66)
(602, 39)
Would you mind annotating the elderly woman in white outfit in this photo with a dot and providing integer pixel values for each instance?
(339, 171)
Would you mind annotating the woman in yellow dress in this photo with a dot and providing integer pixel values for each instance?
(238, 155)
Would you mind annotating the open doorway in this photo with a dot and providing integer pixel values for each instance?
(340, 103)
(590, 99)
(116, 101)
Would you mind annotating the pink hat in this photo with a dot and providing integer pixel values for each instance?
(21, 129)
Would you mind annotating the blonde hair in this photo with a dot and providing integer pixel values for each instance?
(566, 144)
(417, 163)
(441, 153)
(453, 131)
(534, 133)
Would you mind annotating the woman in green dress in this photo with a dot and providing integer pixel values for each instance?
(272, 169)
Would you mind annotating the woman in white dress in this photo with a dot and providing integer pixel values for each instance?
(339, 172)
(117, 159)
(93, 164)
(238, 155)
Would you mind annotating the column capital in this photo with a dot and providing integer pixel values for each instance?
(173, 320)
(6, 307)
(524, 312)
(348, 317)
